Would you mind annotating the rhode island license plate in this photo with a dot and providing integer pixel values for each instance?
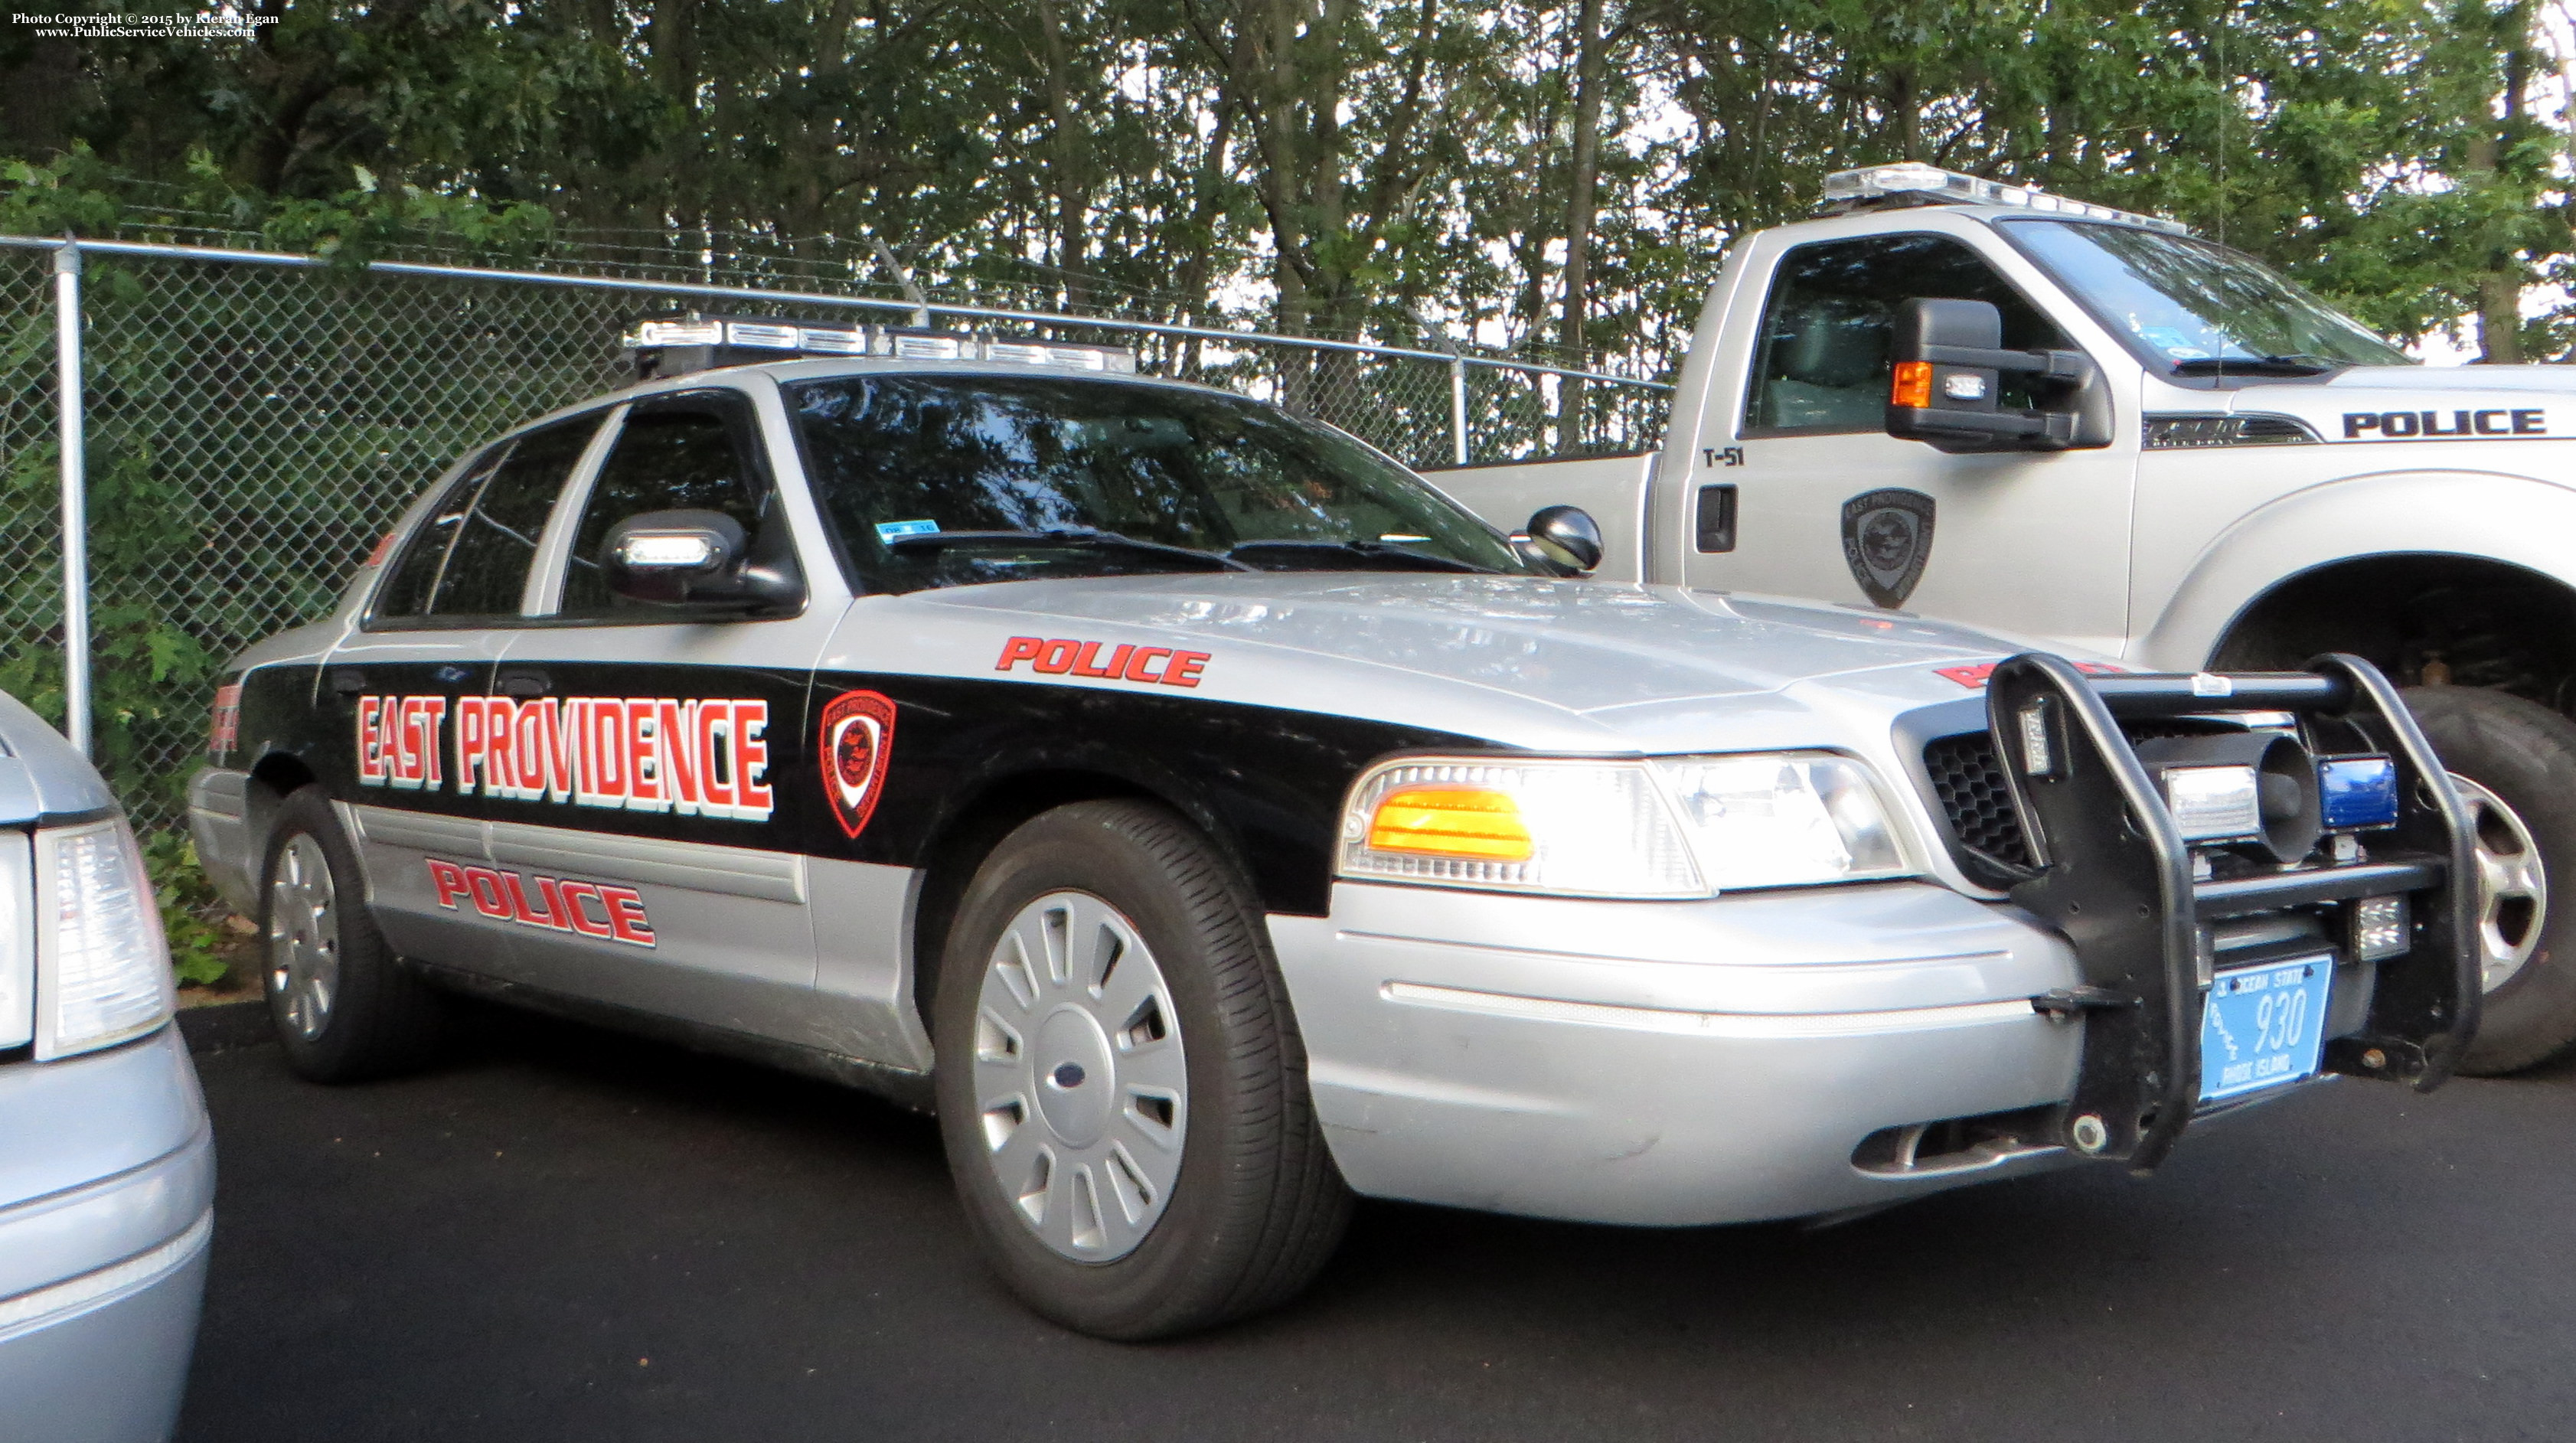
(2264, 1026)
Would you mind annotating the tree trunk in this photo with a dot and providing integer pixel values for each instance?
(1591, 70)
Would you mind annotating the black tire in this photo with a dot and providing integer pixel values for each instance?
(1257, 1206)
(2525, 754)
(377, 1017)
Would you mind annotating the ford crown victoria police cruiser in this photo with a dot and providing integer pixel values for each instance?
(1240, 825)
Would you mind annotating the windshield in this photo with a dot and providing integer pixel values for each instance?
(2177, 301)
(956, 480)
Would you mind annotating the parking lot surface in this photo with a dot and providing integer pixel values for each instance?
(563, 1235)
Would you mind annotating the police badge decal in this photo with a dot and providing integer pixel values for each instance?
(857, 742)
(1887, 536)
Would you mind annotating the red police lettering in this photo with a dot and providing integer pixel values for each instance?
(1136, 664)
(1019, 649)
(1184, 668)
(626, 920)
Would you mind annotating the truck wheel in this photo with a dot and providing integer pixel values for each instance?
(343, 1008)
(2515, 764)
(1121, 1087)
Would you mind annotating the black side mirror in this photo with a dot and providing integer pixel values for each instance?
(680, 558)
(1565, 538)
(1950, 365)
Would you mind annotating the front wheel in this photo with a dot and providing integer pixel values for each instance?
(1121, 1087)
(2514, 764)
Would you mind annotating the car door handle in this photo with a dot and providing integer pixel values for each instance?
(348, 680)
(524, 684)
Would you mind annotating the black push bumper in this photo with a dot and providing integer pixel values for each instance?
(2111, 870)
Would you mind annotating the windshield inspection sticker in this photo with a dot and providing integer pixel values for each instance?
(889, 530)
(2430, 425)
(1066, 656)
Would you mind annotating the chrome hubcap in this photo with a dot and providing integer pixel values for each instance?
(2513, 887)
(303, 936)
(1080, 1086)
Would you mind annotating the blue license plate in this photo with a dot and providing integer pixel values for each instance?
(2263, 1026)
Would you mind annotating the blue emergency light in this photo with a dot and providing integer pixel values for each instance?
(2358, 792)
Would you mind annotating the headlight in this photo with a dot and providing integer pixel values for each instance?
(102, 965)
(1672, 827)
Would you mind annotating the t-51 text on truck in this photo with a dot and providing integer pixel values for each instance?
(1980, 402)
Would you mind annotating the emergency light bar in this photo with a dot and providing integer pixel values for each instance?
(678, 345)
(1914, 183)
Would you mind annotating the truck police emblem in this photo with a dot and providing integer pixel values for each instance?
(858, 738)
(1887, 536)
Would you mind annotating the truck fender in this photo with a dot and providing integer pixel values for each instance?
(2489, 515)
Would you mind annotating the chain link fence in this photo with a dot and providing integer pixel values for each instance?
(253, 427)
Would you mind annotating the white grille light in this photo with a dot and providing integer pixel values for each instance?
(102, 963)
(1782, 819)
(2210, 803)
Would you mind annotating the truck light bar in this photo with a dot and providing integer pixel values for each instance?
(678, 345)
(1914, 183)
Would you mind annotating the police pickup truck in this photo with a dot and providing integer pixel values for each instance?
(1242, 825)
(1994, 405)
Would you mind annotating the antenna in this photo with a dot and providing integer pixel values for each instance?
(2226, 103)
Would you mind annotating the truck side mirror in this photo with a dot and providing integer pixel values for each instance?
(1950, 365)
(1565, 538)
(677, 558)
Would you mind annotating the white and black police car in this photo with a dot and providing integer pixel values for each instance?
(1241, 825)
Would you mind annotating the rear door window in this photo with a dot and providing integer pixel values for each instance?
(468, 563)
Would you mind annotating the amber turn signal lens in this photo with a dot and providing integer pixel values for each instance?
(1451, 822)
(1913, 385)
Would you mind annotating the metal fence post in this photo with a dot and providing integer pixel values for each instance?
(67, 366)
(1458, 406)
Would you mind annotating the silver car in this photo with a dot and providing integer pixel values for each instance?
(107, 1164)
(1210, 821)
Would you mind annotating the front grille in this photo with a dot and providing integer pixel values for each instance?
(1968, 777)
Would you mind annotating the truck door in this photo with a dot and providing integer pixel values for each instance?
(1825, 504)
(656, 795)
(395, 692)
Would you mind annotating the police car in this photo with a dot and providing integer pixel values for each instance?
(1242, 826)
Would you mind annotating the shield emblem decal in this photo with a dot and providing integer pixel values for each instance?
(857, 741)
(1887, 536)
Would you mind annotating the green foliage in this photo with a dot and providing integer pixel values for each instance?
(191, 912)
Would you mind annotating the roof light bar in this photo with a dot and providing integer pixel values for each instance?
(1914, 183)
(678, 345)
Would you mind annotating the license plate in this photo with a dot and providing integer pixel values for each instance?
(2263, 1026)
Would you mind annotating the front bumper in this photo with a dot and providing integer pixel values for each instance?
(1669, 1063)
(103, 1233)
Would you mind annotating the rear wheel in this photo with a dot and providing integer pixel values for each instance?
(344, 1009)
(2514, 763)
(1121, 1087)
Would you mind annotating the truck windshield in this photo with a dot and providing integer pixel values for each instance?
(2187, 307)
(954, 480)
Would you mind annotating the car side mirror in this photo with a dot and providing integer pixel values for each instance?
(1947, 387)
(1563, 538)
(681, 558)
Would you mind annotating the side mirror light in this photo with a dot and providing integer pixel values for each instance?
(1564, 538)
(1950, 365)
(678, 558)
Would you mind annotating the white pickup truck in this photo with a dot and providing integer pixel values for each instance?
(1994, 405)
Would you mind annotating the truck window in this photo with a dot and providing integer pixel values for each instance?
(469, 562)
(1821, 363)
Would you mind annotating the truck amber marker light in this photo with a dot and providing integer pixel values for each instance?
(1451, 822)
(1913, 385)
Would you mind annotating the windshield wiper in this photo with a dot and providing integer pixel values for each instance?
(1370, 556)
(2294, 364)
(1080, 538)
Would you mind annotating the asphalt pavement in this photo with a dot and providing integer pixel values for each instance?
(563, 1234)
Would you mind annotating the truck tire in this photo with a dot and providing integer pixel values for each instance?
(2515, 764)
(344, 1009)
(1121, 1087)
